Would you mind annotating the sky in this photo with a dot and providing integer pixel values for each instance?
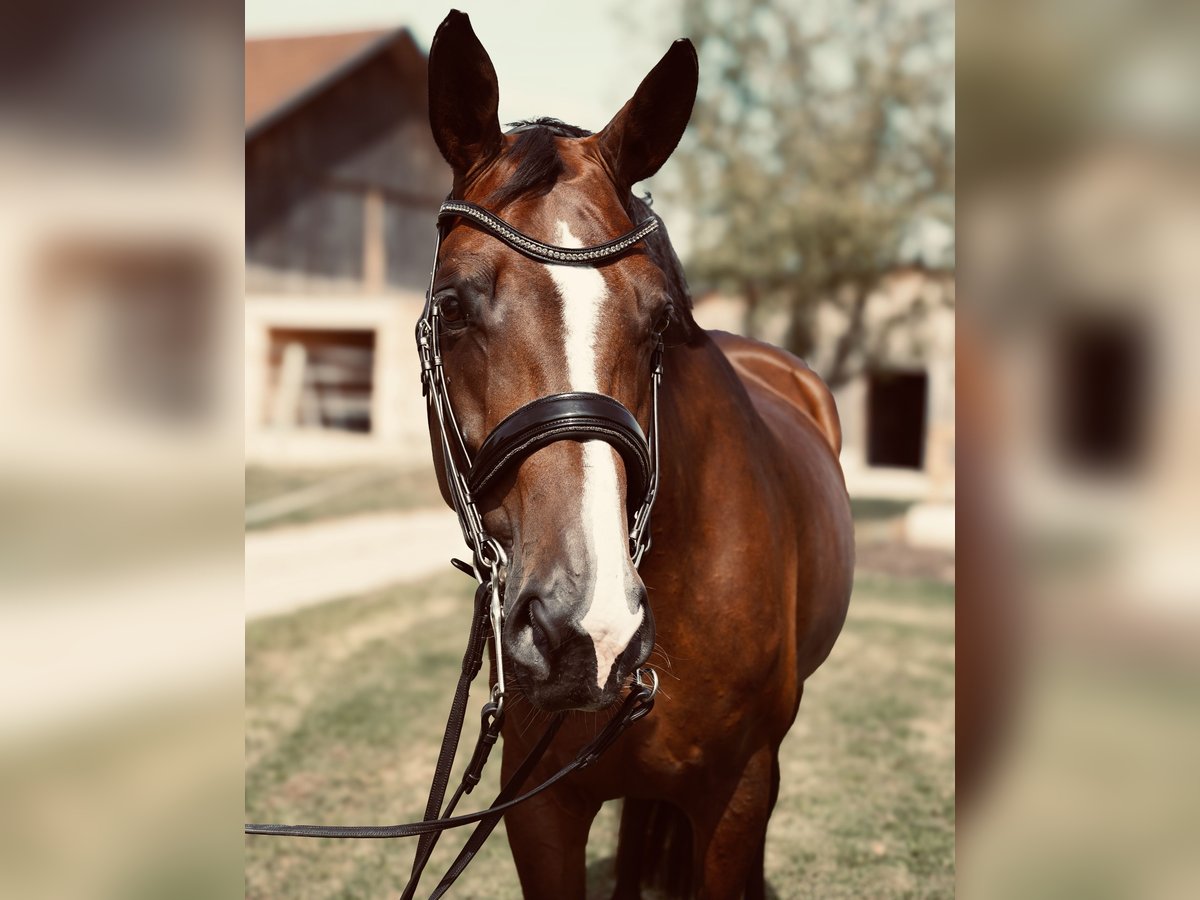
(578, 62)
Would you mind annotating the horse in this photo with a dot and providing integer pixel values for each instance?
(746, 584)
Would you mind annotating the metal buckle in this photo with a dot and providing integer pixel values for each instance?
(496, 615)
(639, 544)
(491, 558)
(653, 680)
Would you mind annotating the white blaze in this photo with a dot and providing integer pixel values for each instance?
(608, 619)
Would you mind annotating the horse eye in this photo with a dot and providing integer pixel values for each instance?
(451, 310)
(663, 322)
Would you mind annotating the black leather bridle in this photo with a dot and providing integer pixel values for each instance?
(572, 416)
(575, 416)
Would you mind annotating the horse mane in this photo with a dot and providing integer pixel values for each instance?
(662, 252)
(537, 170)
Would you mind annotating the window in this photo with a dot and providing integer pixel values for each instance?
(314, 229)
(409, 235)
(320, 379)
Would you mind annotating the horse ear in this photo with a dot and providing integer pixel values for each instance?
(463, 95)
(643, 134)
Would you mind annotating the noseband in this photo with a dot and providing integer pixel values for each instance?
(572, 416)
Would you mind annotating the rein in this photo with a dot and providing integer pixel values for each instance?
(574, 416)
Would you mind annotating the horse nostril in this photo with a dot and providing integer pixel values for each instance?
(544, 622)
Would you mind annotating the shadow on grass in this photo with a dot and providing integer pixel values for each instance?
(601, 879)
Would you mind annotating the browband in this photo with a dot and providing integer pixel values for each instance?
(547, 253)
(576, 416)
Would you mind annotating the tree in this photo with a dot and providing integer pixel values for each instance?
(821, 144)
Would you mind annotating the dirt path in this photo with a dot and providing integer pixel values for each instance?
(290, 568)
(293, 567)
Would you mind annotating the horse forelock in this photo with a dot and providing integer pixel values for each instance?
(533, 164)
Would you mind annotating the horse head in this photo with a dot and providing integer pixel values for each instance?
(514, 329)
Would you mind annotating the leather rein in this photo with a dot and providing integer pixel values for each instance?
(573, 416)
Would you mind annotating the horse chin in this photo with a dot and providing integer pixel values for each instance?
(563, 696)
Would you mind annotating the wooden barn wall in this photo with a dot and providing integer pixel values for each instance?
(309, 174)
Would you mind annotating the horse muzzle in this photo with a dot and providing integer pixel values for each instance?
(561, 658)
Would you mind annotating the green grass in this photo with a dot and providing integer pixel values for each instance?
(345, 703)
(873, 508)
(354, 490)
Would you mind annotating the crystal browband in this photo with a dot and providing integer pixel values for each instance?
(549, 253)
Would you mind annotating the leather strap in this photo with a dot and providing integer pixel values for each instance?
(472, 662)
(485, 827)
(636, 706)
(547, 253)
(576, 416)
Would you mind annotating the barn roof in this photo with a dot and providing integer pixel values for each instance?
(283, 74)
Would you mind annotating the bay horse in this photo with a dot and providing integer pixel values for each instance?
(748, 580)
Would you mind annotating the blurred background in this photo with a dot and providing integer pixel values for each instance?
(1041, 641)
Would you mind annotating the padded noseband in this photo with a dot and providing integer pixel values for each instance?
(576, 416)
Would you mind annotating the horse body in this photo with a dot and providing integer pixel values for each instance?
(749, 578)
(555, 304)
(746, 585)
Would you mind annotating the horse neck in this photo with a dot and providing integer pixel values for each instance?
(707, 426)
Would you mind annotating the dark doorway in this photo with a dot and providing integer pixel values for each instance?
(896, 413)
(1102, 393)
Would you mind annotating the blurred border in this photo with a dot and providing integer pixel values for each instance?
(121, 459)
(121, 464)
(1079, 586)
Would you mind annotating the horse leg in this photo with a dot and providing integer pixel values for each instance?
(548, 837)
(730, 839)
(631, 848)
(655, 847)
(756, 880)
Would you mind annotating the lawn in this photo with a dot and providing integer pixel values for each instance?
(293, 496)
(345, 703)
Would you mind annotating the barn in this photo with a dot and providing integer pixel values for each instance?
(343, 182)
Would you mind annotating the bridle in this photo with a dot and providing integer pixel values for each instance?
(571, 416)
(575, 416)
